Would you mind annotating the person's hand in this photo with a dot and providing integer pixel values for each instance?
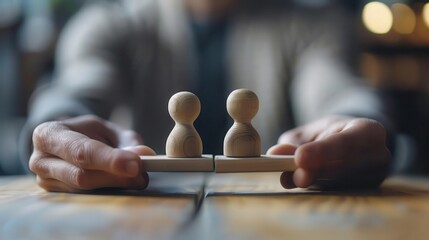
(335, 152)
(86, 153)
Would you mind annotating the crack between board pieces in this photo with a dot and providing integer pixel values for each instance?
(198, 204)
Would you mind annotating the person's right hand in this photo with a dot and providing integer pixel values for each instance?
(86, 153)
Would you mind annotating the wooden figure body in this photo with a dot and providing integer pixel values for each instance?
(184, 140)
(242, 139)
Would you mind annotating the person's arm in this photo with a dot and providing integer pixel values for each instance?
(83, 153)
(89, 71)
(340, 141)
(324, 80)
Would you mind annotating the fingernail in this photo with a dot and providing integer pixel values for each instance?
(131, 168)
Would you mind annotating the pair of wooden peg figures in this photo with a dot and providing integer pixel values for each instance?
(242, 143)
(242, 139)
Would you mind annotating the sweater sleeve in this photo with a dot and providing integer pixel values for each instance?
(324, 82)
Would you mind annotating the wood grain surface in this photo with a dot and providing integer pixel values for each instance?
(237, 209)
(215, 206)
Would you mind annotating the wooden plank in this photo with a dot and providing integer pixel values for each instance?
(265, 163)
(255, 213)
(28, 212)
(162, 163)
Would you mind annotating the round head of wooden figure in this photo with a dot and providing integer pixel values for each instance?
(184, 107)
(242, 105)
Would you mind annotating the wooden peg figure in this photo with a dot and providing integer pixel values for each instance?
(242, 139)
(184, 140)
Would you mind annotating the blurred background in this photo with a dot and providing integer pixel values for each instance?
(393, 57)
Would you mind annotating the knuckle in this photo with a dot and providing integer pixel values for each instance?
(376, 130)
(33, 163)
(289, 136)
(113, 162)
(372, 133)
(42, 183)
(41, 135)
(79, 151)
(372, 124)
(37, 166)
(92, 119)
(282, 138)
(80, 179)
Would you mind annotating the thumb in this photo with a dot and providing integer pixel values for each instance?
(286, 179)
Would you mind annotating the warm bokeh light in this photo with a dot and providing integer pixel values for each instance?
(377, 17)
(404, 19)
(426, 14)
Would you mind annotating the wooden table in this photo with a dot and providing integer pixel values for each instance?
(222, 206)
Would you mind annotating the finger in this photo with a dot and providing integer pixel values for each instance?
(141, 150)
(76, 178)
(282, 149)
(304, 177)
(343, 158)
(334, 128)
(53, 185)
(342, 174)
(107, 132)
(316, 154)
(370, 176)
(93, 155)
(293, 137)
(314, 130)
(95, 128)
(358, 140)
(286, 180)
(84, 152)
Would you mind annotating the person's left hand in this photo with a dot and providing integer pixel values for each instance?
(335, 152)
